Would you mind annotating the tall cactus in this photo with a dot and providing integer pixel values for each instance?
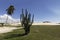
(26, 20)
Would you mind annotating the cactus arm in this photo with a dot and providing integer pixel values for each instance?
(20, 18)
(26, 13)
(29, 17)
(32, 19)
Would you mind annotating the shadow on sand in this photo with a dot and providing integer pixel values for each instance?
(14, 35)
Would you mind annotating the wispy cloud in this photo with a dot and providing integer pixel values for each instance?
(55, 10)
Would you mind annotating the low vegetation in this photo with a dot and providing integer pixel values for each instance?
(37, 33)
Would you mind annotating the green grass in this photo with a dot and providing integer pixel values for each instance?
(37, 33)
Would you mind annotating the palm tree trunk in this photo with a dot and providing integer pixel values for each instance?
(7, 20)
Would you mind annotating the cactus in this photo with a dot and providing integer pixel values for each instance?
(26, 20)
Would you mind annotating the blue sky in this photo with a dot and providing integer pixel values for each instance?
(43, 10)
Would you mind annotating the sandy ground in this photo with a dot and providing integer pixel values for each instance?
(45, 24)
(8, 29)
(39, 23)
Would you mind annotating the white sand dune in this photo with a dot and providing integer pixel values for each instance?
(8, 29)
(45, 24)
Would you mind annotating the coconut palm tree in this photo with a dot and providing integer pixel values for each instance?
(10, 11)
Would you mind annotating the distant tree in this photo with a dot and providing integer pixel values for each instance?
(10, 11)
(26, 21)
(46, 22)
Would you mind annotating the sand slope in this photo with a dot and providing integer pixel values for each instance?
(8, 29)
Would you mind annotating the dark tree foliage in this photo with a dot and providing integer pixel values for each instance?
(26, 20)
(10, 10)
